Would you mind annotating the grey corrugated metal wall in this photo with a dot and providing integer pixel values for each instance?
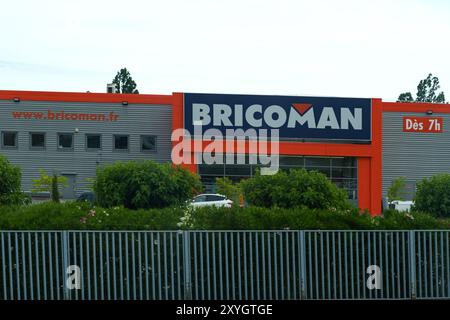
(413, 155)
(134, 120)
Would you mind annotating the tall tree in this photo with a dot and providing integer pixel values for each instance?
(124, 82)
(426, 92)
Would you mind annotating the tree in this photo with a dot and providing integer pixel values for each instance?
(397, 189)
(50, 184)
(433, 196)
(426, 92)
(124, 82)
(229, 189)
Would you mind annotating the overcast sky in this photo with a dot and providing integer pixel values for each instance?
(327, 48)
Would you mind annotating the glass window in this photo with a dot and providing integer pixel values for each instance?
(9, 139)
(148, 143)
(344, 162)
(214, 198)
(120, 142)
(93, 141)
(37, 140)
(292, 161)
(65, 141)
(200, 199)
(317, 162)
(211, 169)
(237, 170)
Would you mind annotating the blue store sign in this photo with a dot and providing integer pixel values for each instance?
(296, 118)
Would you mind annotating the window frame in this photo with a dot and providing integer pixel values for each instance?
(114, 143)
(16, 140)
(86, 141)
(141, 143)
(64, 148)
(31, 140)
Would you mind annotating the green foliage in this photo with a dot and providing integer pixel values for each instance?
(124, 82)
(405, 97)
(294, 188)
(50, 184)
(433, 195)
(82, 216)
(231, 190)
(397, 189)
(426, 92)
(10, 177)
(144, 184)
(55, 190)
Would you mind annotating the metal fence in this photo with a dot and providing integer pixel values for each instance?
(224, 265)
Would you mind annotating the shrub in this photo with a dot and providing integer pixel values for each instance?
(397, 190)
(82, 216)
(294, 188)
(144, 184)
(231, 190)
(10, 177)
(302, 218)
(433, 195)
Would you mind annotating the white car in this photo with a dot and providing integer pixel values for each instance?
(401, 206)
(206, 200)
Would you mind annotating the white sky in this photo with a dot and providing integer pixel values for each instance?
(353, 48)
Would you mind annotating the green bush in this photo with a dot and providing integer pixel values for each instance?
(144, 184)
(302, 218)
(82, 216)
(397, 189)
(294, 188)
(433, 195)
(10, 177)
(229, 189)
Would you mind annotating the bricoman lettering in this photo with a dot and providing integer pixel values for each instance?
(275, 116)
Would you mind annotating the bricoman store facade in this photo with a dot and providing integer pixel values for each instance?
(360, 144)
(340, 137)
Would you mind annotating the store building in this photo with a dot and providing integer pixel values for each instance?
(360, 144)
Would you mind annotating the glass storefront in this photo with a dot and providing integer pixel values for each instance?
(342, 171)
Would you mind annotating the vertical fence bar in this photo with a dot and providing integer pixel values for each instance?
(152, 255)
(133, 264)
(88, 264)
(24, 259)
(102, 280)
(233, 284)
(187, 266)
(108, 274)
(166, 285)
(263, 265)
(5, 293)
(113, 240)
(16, 249)
(412, 264)
(214, 265)
(50, 262)
(147, 290)
(208, 263)
(55, 238)
(302, 260)
(65, 253)
(172, 274)
(252, 286)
